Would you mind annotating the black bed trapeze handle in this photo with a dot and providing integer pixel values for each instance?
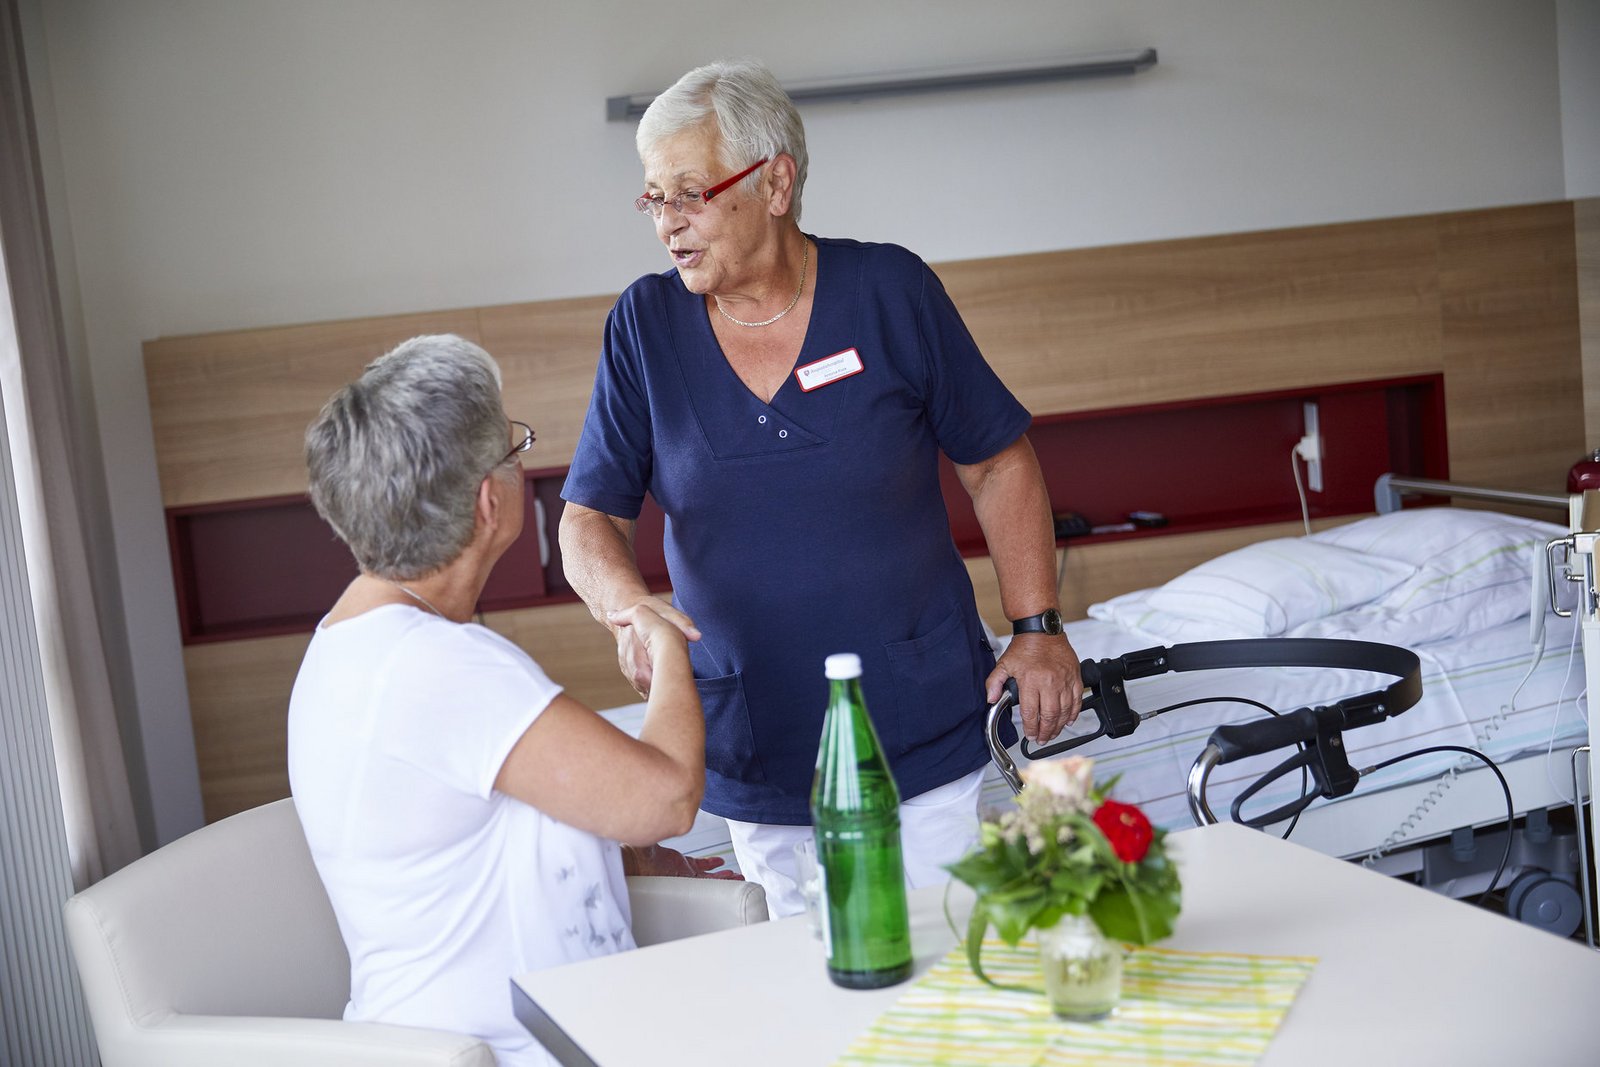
(1317, 729)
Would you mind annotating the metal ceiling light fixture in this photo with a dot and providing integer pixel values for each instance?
(1089, 65)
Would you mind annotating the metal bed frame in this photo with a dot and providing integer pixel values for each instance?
(1474, 798)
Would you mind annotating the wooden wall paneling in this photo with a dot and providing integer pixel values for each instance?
(548, 352)
(1512, 361)
(1149, 323)
(229, 410)
(1586, 224)
(239, 701)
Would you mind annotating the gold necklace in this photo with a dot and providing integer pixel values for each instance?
(419, 598)
(804, 261)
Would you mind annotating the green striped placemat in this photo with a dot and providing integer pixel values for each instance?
(1177, 1008)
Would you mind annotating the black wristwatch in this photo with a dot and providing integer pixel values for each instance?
(1046, 622)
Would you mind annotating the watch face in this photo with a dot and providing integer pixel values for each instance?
(1052, 621)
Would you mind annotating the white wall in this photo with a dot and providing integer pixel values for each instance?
(229, 163)
(1578, 32)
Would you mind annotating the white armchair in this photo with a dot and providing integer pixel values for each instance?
(222, 948)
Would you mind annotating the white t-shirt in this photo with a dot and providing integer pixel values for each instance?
(443, 888)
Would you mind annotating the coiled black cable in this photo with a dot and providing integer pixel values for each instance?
(1511, 812)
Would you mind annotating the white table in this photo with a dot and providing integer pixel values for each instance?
(1404, 976)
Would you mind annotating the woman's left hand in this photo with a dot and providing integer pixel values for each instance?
(661, 861)
(1049, 683)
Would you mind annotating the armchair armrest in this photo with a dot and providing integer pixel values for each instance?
(260, 1041)
(665, 909)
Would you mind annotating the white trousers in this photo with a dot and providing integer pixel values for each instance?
(936, 828)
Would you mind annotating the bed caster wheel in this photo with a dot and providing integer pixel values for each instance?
(1540, 899)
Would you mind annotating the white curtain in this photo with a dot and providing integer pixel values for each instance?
(51, 442)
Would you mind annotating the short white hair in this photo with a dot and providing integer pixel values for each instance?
(754, 116)
(396, 457)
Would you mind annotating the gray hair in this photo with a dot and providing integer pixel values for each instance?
(754, 115)
(396, 456)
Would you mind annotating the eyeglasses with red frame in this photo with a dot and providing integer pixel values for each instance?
(692, 201)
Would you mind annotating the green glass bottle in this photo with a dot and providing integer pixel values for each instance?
(855, 812)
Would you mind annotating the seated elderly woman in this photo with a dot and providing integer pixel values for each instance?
(463, 813)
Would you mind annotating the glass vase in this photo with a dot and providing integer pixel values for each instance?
(1082, 969)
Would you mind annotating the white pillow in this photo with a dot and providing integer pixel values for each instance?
(1455, 539)
(1473, 572)
(1260, 590)
(1132, 612)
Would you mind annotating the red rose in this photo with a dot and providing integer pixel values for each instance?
(1126, 827)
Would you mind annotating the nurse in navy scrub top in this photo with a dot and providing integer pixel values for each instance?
(785, 398)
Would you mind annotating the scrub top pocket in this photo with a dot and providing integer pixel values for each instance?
(927, 671)
(730, 746)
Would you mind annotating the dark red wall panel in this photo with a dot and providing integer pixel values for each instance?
(1225, 462)
(257, 567)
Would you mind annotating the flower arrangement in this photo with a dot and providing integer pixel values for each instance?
(1068, 850)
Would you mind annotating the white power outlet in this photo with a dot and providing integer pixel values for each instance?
(1310, 448)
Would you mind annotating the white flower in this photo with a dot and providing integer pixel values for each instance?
(1070, 778)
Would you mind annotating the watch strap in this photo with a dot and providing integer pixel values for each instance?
(1046, 622)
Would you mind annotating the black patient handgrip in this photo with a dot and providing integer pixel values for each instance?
(1319, 730)
(1253, 738)
(1105, 694)
(1320, 733)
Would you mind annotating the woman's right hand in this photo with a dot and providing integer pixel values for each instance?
(645, 631)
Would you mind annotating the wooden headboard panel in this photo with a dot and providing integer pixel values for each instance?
(1486, 300)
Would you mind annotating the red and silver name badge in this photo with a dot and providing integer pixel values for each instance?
(828, 369)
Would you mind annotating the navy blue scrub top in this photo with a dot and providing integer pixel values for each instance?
(812, 524)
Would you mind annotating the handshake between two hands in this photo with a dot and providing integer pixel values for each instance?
(660, 861)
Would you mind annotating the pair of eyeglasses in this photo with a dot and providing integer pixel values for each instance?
(522, 445)
(691, 202)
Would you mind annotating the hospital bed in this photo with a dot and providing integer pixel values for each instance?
(1452, 584)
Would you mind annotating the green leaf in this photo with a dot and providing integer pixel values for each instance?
(981, 871)
(1136, 917)
(1051, 915)
(1013, 916)
(977, 926)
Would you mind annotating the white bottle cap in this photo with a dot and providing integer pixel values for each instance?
(842, 665)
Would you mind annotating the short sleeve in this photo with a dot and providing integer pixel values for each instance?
(612, 465)
(455, 702)
(973, 414)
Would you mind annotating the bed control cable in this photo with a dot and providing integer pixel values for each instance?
(1505, 787)
(1541, 586)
